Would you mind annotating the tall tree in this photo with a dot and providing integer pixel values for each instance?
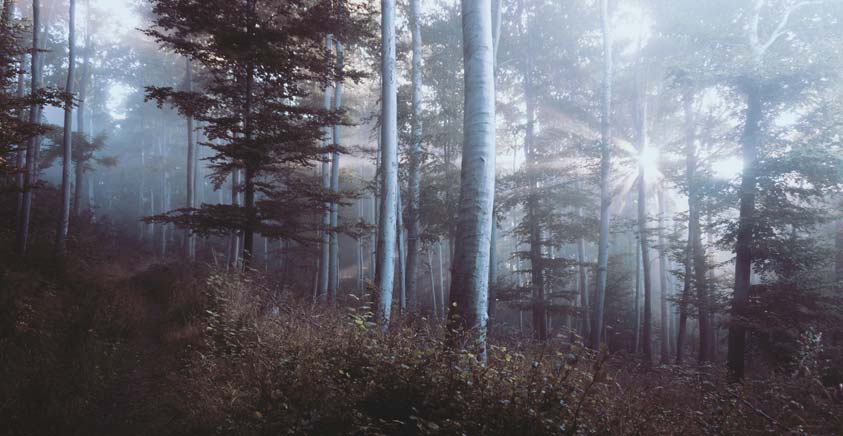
(536, 255)
(82, 108)
(605, 166)
(664, 325)
(387, 222)
(67, 140)
(414, 188)
(333, 279)
(32, 147)
(190, 238)
(325, 258)
(469, 285)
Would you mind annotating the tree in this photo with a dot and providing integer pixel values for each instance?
(414, 188)
(333, 282)
(260, 62)
(605, 166)
(67, 142)
(190, 239)
(469, 287)
(33, 145)
(387, 222)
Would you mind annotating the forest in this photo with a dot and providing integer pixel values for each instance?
(421, 217)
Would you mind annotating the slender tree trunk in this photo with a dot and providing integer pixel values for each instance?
(32, 149)
(636, 305)
(333, 279)
(81, 112)
(67, 140)
(470, 276)
(234, 239)
(743, 245)
(359, 242)
(402, 265)
(385, 270)
(493, 275)
(536, 256)
(432, 283)
(414, 188)
(325, 258)
(663, 285)
(250, 170)
(21, 152)
(190, 238)
(442, 299)
(605, 166)
(583, 280)
(647, 337)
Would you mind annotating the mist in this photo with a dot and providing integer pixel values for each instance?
(421, 217)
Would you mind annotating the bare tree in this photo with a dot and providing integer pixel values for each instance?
(469, 285)
(605, 166)
(67, 139)
(385, 269)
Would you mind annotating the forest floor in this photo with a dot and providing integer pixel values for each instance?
(117, 342)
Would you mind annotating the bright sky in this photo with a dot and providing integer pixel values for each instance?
(116, 18)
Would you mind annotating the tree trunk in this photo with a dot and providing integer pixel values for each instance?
(333, 279)
(470, 273)
(234, 239)
(67, 140)
(414, 188)
(191, 166)
(743, 245)
(249, 172)
(32, 148)
(442, 299)
(532, 164)
(402, 265)
(325, 258)
(663, 285)
(605, 193)
(21, 153)
(582, 282)
(432, 283)
(636, 305)
(647, 337)
(79, 169)
(385, 270)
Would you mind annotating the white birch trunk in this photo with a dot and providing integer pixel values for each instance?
(470, 276)
(67, 140)
(605, 166)
(385, 270)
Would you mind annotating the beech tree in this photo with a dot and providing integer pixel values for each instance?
(388, 189)
(469, 287)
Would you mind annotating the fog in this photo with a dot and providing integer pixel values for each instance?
(645, 185)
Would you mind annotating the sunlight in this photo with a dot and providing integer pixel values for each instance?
(728, 168)
(117, 93)
(649, 159)
(632, 26)
(122, 17)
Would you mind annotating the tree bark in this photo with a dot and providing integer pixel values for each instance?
(325, 259)
(385, 270)
(663, 285)
(81, 111)
(190, 238)
(470, 276)
(67, 140)
(32, 148)
(414, 188)
(605, 193)
(536, 257)
(249, 167)
(743, 245)
(333, 279)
